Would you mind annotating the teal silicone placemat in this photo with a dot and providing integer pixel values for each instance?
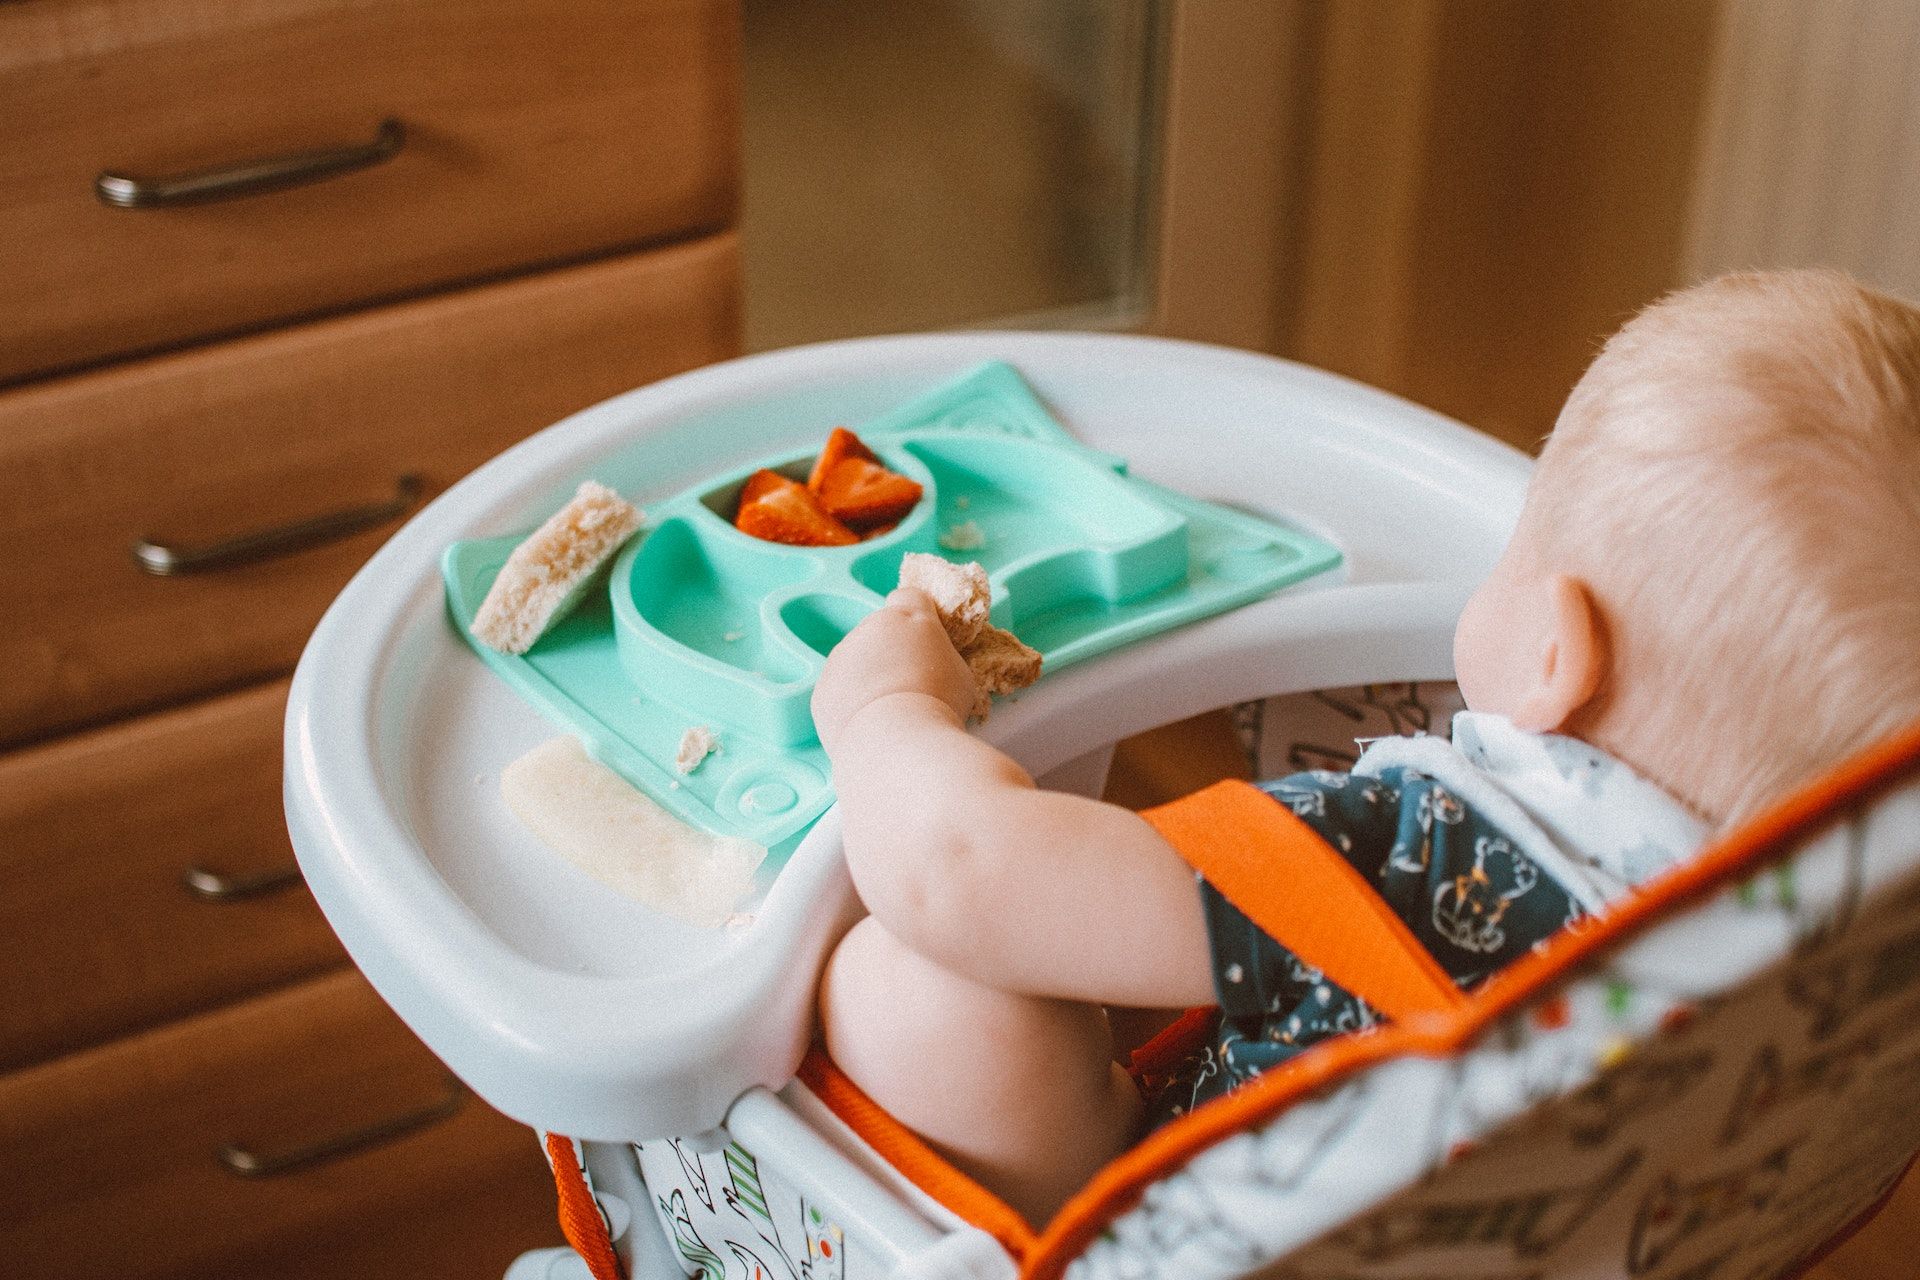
(702, 625)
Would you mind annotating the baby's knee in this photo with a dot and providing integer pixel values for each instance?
(869, 980)
(858, 970)
(881, 1011)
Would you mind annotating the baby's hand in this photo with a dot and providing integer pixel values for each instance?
(898, 648)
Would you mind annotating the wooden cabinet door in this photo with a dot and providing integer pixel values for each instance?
(529, 134)
(112, 1158)
(203, 447)
(148, 875)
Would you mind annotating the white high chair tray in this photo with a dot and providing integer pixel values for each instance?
(578, 1011)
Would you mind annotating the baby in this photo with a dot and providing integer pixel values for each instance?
(1712, 593)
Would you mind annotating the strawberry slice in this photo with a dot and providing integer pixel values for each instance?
(782, 510)
(862, 494)
(841, 445)
(878, 531)
(760, 484)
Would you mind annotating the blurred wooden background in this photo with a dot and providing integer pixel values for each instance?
(1453, 199)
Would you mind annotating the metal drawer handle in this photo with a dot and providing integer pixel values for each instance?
(218, 886)
(251, 1164)
(164, 561)
(270, 173)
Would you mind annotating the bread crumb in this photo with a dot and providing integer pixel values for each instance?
(734, 637)
(696, 744)
(962, 502)
(550, 570)
(965, 536)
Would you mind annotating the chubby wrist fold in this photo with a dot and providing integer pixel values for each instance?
(902, 709)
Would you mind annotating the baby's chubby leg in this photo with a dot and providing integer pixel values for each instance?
(1018, 1091)
(1003, 916)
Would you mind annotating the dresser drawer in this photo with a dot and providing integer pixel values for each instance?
(534, 132)
(199, 448)
(100, 834)
(111, 1158)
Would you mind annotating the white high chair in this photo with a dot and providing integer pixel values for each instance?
(583, 1014)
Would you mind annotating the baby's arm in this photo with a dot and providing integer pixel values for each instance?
(959, 855)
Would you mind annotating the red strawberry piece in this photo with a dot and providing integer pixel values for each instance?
(786, 512)
(841, 445)
(761, 483)
(864, 494)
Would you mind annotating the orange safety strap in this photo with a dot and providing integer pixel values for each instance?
(1169, 1049)
(1298, 889)
(580, 1219)
(1153, 1065)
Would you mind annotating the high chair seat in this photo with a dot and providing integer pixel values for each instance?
(1714, 1076)
(1712, 1081)
(1707, 1086)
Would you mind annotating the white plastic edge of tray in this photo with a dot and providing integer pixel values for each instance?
(624, 1058)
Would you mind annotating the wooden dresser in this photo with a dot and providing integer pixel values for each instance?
(217, 397)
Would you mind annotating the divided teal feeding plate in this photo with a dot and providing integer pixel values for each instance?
(703, 625)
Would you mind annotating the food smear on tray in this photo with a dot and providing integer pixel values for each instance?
(603, 825)
(850, 496)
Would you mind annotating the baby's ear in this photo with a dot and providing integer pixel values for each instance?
(1569, 659)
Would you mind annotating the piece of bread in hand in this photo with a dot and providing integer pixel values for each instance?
(549, 572)
(999, 661)
(959, 592)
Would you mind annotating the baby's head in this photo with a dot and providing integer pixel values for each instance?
(1716, 575)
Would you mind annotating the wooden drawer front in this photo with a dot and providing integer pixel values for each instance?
(206, 445)
(110, 1157)
(99, 933)
(537, 131)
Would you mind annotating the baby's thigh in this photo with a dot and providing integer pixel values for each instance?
(888, 1011)
(1019, 1090)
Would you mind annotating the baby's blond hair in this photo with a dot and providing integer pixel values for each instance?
(1737, 476)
